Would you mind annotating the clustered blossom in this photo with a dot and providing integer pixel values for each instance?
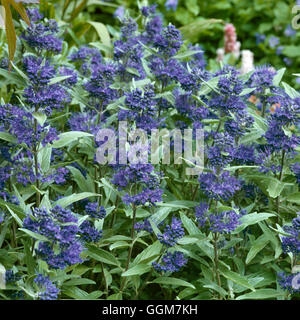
(11, 277)
(171, 233)
(151, 85)
(219, 186)
(88, 232)
(143, 226)
(46, 288)
(292, 242)
(40, 94)
(86, 59)
(279, 121)
(221, 222)
(296, 170)
(95, 211)
(143, 175)
(42, 36)
(289, 282)
(171, 262)
(60, 227)
(20, 124)
(141, 108)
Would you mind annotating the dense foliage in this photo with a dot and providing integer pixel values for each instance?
(264, 27)
(73, 228)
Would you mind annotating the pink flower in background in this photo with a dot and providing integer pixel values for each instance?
(231, 45)
(230, 37)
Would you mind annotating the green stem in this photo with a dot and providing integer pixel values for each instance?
(216, 259)
(131, 247)
(37, 181)
(280, 179)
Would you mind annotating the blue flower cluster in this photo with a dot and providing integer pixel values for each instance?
(222, 222)
(171, 233)
(42, 36)
(171, 261)
(60, 226)
(46, 288)
(143, 175)
(94, 210)
(292, 243)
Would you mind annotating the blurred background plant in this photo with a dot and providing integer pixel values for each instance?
(263, 27)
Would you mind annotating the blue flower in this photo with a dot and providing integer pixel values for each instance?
(171, 4)
(273, 42)
(171, 262)
(47, 289)
(171, 233)
(259, 37)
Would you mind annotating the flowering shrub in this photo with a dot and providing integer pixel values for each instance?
(72, 227)
(264, 27)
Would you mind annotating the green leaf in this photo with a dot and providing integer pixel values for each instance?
(173, 282)
(252, 218)
(247, 91)
(82, 182)
(67, 138)
(137, 270)
(102, 32)
(44, 158)
(235, 277)
(290, 91)
(160, 215)
(275, 188)
(12, 78)
(212, 285)
(256, 247)
(291, 51)
(295, 198)
(102, 255)
(28, 258)
(252, 136)
(261, 294)
(66, 201)
(148, 254)
(8, 137)
(189, 224)
(34, 235)
(94, 295)
(21, 73)
(76, 293)
(277, 78)
(190, 239)
(192, 30)
(78, 282)
(233, 168)
(178, 204)
(187, 54)
(58, 79)
(115, 296)
(119, 244)
(16, 217)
